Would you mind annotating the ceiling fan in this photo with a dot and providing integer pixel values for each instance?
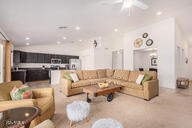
(127, 4)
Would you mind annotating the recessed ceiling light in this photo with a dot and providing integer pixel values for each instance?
(27, 38)
(159, 13)
(115, 30)
(64, 38)
(27, 43)
(58, 42)
(80, 40)
(77, 28)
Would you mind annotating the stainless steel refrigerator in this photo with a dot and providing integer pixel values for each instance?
(75, 64)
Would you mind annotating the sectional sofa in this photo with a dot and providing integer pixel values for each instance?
(125, 78)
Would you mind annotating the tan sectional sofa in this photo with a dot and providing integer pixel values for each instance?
(125, 78)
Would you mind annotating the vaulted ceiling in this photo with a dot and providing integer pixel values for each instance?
(40, 19)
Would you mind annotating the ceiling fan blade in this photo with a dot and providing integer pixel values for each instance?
(140, 4)
(114, 2)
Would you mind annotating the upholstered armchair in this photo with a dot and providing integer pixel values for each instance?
(43, 98)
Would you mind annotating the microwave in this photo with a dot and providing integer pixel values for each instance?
(55, 61)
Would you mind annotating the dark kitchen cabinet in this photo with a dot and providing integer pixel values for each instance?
(64, 59)
(37, 75)
(28, 57)
(23, 57)
(18, 75)
(47, 58)
(40, 58)
(31, 57)
(16, 56)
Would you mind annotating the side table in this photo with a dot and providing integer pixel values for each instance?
(182, 83)
(18, 117)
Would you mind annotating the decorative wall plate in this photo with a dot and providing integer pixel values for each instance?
(149, 42)
(138, 43)
(145, 35)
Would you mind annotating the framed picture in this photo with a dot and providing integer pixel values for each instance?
(145, 35)
(154, 61)
(149, 42)
(138, 43)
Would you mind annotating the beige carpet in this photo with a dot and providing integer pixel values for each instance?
(171, 109)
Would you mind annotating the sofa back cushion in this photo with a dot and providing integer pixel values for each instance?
(63, 72)
(5, 89)
(79, 74)
(101, 73)
(121, 74)
(90, 74)
(134, 75)
(109, 73)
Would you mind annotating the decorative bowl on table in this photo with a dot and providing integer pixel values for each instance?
(103, 85)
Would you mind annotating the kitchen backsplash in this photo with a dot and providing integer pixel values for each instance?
(36, 65)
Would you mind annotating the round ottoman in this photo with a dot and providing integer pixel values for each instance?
(77, 111)
(107, 123)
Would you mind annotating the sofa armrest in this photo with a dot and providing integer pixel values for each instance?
(4, 105)
(65, 86)
(43, 92)
(151, 89)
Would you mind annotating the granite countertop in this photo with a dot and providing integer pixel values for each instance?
(19, 70)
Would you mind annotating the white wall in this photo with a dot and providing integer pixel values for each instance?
(69, 49)
(190, 63)
(163, 35)
(96, 58)
(182, 52)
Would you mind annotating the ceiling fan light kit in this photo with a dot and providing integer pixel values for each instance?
(127, 4)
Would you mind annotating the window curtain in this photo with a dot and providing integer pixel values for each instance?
(1, 61)
(7, 61)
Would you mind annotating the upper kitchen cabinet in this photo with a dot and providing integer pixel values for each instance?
(23, 57)
(47, 58)
(31, 57)
(40, 58)
(16, 56)
(28, 57)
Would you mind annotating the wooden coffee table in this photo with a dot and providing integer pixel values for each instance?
(95, 91)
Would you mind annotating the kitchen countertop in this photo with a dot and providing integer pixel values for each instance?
(18, 70)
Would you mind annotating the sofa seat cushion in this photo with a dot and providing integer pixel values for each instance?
(132, 85)
(81, 83)
(115, 81)
(101, 73)
(95, 81)
(45, 103)
(90, 74)
(121, 74)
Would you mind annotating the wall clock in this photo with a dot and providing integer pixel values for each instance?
(145, 35)
(138, 43)
(149, 42)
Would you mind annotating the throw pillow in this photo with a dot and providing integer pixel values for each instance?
(16, 94)
(139, 79)
(74, 77)
(27, 92)
(68, 77)
(24, 92)
(146, 78)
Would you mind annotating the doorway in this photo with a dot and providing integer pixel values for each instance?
(117, 59)
(145, 59)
